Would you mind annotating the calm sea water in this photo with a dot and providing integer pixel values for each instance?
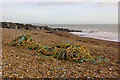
(99, 31)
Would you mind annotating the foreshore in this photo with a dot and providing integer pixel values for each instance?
(21, 63)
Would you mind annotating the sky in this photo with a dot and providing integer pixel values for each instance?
(60, 12)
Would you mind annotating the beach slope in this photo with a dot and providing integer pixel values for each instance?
(20, 62)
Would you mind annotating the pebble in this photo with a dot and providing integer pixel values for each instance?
(1, 72)
(0, 51)
(88, 77)
(110, 68)
(48, 69)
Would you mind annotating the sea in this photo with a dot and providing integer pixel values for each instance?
(107, 32)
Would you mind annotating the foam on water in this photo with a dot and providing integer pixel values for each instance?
(99, 35)
(100, 31)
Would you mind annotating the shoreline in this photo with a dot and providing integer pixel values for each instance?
(81, 34)
(97, 35)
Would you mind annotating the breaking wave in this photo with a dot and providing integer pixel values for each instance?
(109, 36)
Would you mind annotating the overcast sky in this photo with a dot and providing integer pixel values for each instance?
(60, 12)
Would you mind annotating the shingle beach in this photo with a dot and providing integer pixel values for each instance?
(19, 62)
